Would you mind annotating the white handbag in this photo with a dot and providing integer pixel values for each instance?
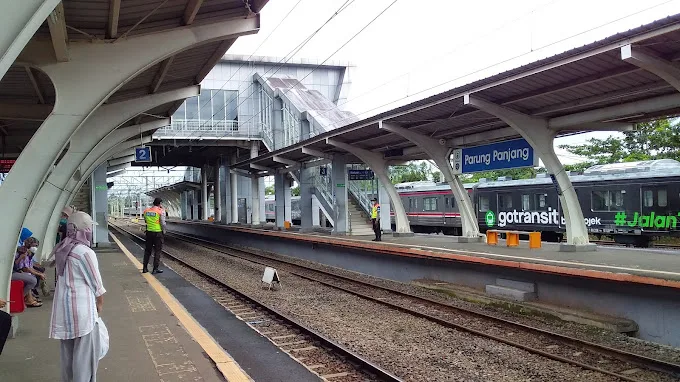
(103, 338)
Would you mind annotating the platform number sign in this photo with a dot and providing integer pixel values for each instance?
(323, 171)
(143, 154)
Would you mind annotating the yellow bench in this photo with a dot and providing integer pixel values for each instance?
(512, 238)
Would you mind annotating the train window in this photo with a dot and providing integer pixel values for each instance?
(453, 202)
(483, 203)
(663, 198)
(539, 201)
(446, 202)
(648, 198)
(430, 204)
(606, 200)
(504, 201)
(526, 205)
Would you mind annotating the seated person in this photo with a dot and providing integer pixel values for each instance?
(21, 262)
(32, 245)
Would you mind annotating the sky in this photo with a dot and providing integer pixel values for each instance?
(419, 48)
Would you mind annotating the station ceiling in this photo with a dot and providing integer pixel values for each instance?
(27, 95)
(579, 82)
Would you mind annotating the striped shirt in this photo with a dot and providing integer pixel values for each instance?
(74, 310)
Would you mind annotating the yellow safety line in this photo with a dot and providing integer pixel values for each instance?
(226, 365)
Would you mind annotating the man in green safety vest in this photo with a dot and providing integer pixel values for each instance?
(375, 219)
(155, 229)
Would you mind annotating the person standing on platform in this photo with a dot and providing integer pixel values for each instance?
(78, 301)
(375, 219)
(155, 229)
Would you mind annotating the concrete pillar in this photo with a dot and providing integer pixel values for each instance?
(307, 210)
(225, 193)
(100, 194)
(20, 20)
(280, 199)
(318, 219)
(262, 210)
(234, 198)
(204, 193)
(385, 208)
(104, 68)
(217, 191)
(184, 200)
(379, 166)
(536, 132)
(341, 216)
(440, 155)
(287, 202)
(195, 200)
(255, 217)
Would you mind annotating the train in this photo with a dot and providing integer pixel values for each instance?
(632, 202)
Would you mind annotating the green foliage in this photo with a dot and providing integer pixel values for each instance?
(515, 173)
(437, 176)
(651, 140)
(269, 190)
(295, 191)
(411, 172)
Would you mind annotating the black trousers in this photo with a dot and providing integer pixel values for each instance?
(5, 324)
(154, 241)
(376, 229)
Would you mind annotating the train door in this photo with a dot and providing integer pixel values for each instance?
(413, 210)
(655, 213)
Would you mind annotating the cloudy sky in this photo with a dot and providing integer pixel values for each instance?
(418, 48)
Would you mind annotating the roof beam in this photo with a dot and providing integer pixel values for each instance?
(652, 63)
(118, 167)
(24, 112)
(283, 160)
(160, 75)
(121, 160)
(316, 153)
(36, 88)
(260, 168)
(114, 14)
(191, 11)
(58, 32)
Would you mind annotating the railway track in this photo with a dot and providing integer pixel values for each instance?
(614, 362)
(324, 357)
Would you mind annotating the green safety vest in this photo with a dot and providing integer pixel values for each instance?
(152, 217)
(375, 211)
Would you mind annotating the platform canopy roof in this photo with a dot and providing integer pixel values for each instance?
(178, 188)
(597, 84)
(27, 95)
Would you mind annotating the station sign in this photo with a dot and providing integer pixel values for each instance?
(323, 170)
(496, 156)
(360, 175)
(143, 154)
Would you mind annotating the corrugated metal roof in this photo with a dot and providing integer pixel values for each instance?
(585, 78)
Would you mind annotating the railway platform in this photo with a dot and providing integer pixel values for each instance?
(161, 328)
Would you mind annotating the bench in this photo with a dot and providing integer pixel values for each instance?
(512, 238)
(16, 304)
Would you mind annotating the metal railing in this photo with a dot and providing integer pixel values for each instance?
(195, 129)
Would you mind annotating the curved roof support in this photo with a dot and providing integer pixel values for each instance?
(536, 131)
(648, 61)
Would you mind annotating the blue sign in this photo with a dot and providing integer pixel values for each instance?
(142, 154)
(495, 156)
(360, 175)
(323, 170)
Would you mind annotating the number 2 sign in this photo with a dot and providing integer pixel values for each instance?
(143, 154)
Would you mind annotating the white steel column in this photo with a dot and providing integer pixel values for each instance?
(20, 20)
(89, 135)
(287, 202)
(307, 209)
(255, 188)
(217, 191)
(204, 193)
(234, 197)
(379, 166)
(104, 68)
(279, 199)
(339, 186)
(536, 132)
(440, 154)
(385, 209)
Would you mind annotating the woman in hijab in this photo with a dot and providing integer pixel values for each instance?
(78, 300)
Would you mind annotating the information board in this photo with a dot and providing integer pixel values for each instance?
(6, 165)
(495, 156)
(360, 175)
(143, 154)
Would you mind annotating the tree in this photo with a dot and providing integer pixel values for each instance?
(295, 191)
(436, 176)
(269, 190)
(410, 172)
(514, 173)
(650, 140)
